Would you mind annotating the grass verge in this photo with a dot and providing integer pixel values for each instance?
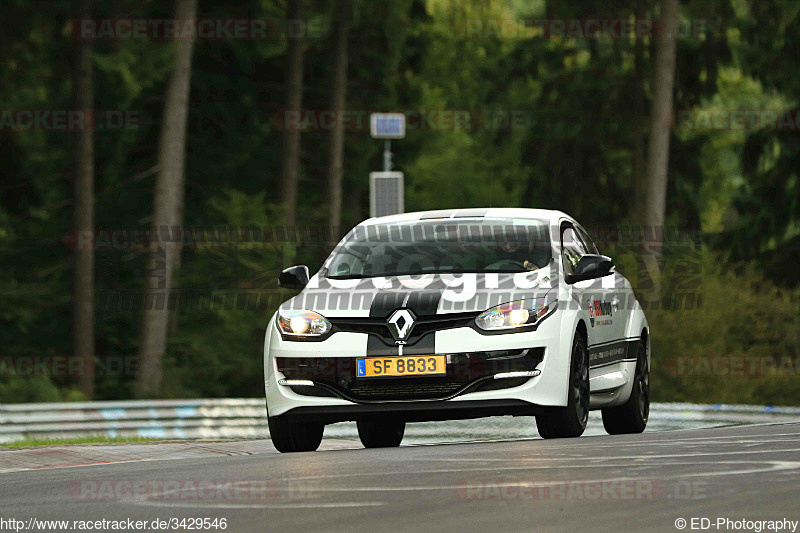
(77, 440)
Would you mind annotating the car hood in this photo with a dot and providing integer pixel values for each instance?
(424, 295)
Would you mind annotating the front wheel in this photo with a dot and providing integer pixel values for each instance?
(631, 417)
(381, 433)
(570, 421)
(291, 436)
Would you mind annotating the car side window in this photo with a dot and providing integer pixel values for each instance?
(572, 249)
(587, 241)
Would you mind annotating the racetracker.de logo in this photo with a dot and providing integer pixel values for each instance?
(113, 29)
(704, 366)
(580, 29)
(416, 119)
(737, 120)
(599, 490)
(203, 490)
(68, 120)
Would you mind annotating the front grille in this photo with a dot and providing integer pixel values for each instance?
(417, 388)
(466, 372)
(423, 325)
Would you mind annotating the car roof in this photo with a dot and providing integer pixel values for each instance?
(552, 216)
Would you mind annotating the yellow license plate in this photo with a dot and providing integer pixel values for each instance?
(414, 365)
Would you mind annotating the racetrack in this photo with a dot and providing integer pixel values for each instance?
(595, 483)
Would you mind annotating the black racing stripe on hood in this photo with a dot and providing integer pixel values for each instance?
(421, 303)
(385, 302)
(424, 303)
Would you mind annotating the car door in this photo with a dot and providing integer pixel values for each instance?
(593, 297)
(616, 289)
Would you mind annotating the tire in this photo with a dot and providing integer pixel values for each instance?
(381, 433)
(631, 417)
(290, 436)
(570, 421)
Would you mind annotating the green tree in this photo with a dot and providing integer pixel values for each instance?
(168, 204)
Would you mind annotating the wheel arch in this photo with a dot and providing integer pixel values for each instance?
(582, 330)
(645, 337)
(637, 324)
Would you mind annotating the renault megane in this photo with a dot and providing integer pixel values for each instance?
(451, 315)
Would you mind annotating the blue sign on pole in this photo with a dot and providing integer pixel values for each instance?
(387, 125)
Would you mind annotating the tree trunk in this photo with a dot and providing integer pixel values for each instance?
(639, 127)
(83, 339)
(339, 92)
(294, 102)
(167, 213)
(660, 123)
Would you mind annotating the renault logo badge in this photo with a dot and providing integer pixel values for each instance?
(400, 324)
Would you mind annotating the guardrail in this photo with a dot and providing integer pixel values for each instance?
(167, 419)
(246, 418)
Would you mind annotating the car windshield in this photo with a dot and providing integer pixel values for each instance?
(441, 246)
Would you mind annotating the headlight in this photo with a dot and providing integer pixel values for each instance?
(516, 314)
(302, 323)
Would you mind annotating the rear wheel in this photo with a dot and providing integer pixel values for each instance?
(381, 433)
(291, 436)
(631, 417)
(570, 421)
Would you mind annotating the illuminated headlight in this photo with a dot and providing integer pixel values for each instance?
(516, 314)
(302, 323)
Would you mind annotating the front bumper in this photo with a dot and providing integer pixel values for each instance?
(416, 411)
(322, 378)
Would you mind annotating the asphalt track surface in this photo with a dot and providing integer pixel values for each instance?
(597, 483)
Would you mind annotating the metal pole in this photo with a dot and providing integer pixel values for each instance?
(387, 155)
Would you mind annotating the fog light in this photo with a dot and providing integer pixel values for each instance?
(521, 374)
(296, 382)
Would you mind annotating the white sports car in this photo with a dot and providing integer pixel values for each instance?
(457, 314)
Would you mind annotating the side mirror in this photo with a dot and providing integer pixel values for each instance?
(295, 277)
(590, 266)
